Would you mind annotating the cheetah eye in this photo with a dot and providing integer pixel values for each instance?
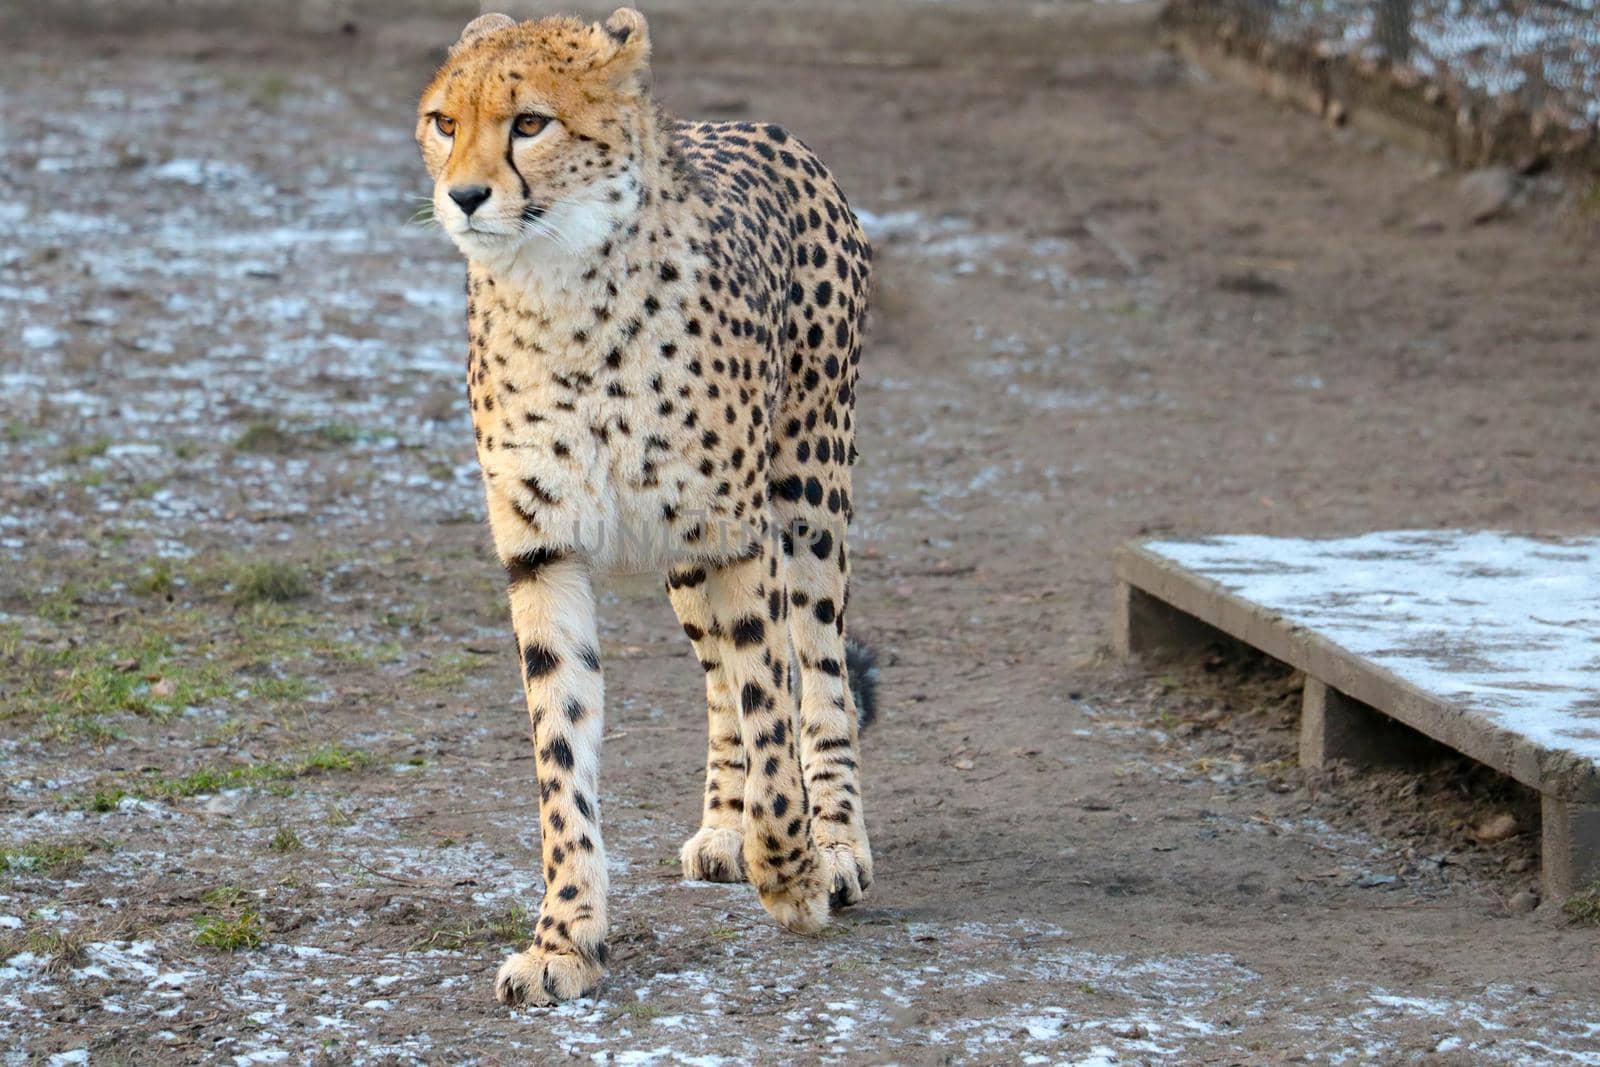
(445, 125)
(529, 125)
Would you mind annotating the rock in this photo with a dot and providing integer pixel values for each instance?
(1374, 881)
(1486, 194)
(1523, 902)
(1496, 828)
(227, 802)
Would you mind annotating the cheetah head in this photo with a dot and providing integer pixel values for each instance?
(530, 133)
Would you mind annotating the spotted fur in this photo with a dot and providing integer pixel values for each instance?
(664, 323)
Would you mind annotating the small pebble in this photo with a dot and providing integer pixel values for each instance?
(1496, 828)
(1487, 193)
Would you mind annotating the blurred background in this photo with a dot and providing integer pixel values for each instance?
(1212, 266)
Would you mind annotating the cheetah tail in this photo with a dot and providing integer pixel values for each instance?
(861, 667)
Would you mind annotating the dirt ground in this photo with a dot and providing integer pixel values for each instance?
(268, 791)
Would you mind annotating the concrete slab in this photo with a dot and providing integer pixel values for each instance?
(1488, 643)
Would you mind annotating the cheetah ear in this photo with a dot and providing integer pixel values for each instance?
(628, 36)
(481, 25)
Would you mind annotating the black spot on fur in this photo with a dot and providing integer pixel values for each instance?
(749, 630)
(527, 566)
(539, 660)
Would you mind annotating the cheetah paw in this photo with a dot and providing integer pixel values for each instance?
(800, 906)
(539, 977)
(847, 870)
(713, 855)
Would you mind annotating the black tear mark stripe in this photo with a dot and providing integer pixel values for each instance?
(512, 163)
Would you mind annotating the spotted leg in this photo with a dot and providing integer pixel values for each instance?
(748, 602)
(716, 851)
(552, 612)
(830, 748)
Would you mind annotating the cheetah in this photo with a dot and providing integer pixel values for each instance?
(664, 327)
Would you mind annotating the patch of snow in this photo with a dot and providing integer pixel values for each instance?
(1504, 626)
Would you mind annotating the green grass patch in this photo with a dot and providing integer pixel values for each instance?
(282, 690)
(275, 439)
(233, 933)
(642, 1011)
(507, 927)
(1583, 907)
(166, 635)
(61, 604)
(445, 672)
(106, 800)
(269, 582)
(215, 779)
(414, 617)
(154, 578)
(73, 691)
(79, 451)
(285, 840)
(225, 895)
(61, 950)
(43, 857)
(332, 757)
(339, 434)
(267, 438)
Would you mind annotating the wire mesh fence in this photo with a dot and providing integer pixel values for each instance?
(1484, 63)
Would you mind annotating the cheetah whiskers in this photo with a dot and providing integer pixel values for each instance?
(424, 216)
(541, 228)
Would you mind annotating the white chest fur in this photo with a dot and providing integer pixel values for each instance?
(595, 424)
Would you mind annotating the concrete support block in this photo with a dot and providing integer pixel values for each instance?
(1570, 847)
(1335, 727)
(1143, 625)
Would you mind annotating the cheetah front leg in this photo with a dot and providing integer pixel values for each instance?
(552, 612)
(748, 602)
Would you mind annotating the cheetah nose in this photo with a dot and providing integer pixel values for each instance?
(469, 197)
